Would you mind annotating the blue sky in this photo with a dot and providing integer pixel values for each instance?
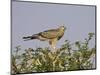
(30, 18)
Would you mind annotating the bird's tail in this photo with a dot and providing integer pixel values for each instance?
(30, 37)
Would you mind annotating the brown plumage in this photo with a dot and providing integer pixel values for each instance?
(52, 36)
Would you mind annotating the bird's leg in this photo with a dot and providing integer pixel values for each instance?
(53, 44)
(54, 47)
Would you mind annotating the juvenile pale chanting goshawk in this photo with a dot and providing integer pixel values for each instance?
(52, 36)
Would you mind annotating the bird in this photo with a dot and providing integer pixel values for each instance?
(51, 35)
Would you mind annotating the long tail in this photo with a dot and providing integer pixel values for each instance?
(35, 36)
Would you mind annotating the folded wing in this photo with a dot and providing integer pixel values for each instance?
(49, 34)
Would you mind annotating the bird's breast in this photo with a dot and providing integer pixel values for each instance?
(60, 34)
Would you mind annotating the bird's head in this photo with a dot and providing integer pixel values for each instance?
(62, 28)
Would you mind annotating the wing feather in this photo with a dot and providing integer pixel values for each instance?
(49, 34)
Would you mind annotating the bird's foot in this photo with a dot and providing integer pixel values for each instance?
(54, 50)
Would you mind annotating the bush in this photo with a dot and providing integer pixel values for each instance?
(63, 59)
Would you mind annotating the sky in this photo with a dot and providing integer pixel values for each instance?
(30, 18)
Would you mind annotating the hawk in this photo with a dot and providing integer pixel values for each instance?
(52, 36)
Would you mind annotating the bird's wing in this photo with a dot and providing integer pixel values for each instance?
(49, 34)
